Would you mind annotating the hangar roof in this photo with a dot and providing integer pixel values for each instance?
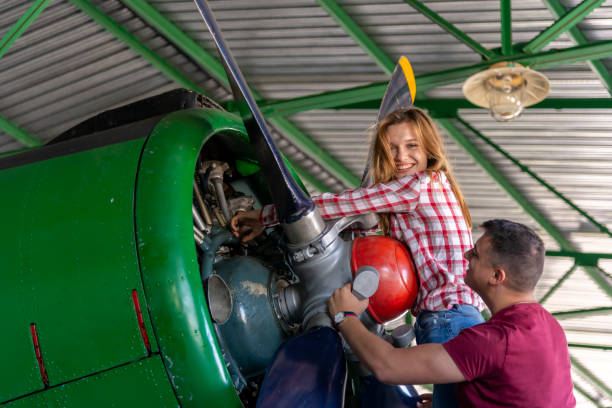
(318, 68)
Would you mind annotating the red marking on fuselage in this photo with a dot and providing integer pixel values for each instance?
(141, 325)
(41, 363)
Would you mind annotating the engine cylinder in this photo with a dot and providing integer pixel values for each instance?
(252, 332)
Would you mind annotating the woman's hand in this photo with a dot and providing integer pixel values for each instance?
(246, 225)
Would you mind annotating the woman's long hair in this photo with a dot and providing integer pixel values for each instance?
(382, 167)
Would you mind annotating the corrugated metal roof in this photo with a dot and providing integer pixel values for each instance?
(66, 68)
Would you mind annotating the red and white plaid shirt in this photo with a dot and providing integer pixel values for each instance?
(425, 215)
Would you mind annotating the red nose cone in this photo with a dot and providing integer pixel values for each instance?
(398, 286)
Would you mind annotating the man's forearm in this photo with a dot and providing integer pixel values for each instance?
(424, 364)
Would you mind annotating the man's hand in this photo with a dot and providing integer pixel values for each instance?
(426, 400)
(343, 300)
(246, 225)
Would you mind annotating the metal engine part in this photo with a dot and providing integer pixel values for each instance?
(216, 171)
(252, 333)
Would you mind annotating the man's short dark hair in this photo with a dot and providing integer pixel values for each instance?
(519, 250)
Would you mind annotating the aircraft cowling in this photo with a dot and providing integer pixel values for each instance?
(398, 284)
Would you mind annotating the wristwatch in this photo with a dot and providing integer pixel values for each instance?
(340, 316)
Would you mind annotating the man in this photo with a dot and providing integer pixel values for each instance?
(518, 358)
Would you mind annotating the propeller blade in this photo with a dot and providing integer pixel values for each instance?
(373, 393)
(401, 90)
(308, 371)
(290, 201)
(400, 94)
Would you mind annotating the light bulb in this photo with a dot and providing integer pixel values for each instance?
(505, 96)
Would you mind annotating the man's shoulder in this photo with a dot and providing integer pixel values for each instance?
(524, 314)
(529, 321)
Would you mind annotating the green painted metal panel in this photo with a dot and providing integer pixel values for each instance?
(168, 259)
(139, 384)
(18, 354)
(69, 265)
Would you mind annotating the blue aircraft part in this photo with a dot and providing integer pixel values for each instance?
(252, 333)
(290, 201)
(373, 393)
(308, 371)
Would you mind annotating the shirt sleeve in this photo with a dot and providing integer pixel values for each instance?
(479, 350)
(396, 196)
(268, 217)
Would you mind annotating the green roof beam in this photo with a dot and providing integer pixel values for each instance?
(21, 25)
(557, 10)
(589, 346)
(473, 151)
(207, 61)
(326, 100)
(460, 103)
(582, 258)
(357, 34)
(451, 29)
(525, 169)
(570, 314)
(601, 278)
(557, 284)
(563, 24)
(588, 396)
(592, 377)
(18, 134)
(131, 41)
(505, 10)
(566, 56)
(375, 91)
(308, 146)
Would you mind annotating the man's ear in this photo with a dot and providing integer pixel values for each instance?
(498, 277)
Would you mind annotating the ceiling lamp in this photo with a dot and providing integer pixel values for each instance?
(506, 89)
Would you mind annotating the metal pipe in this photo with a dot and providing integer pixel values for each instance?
(197, 219)
(218, 183)
(203, 208)
(219, 216)
(197, 232)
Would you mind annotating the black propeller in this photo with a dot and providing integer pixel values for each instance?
(290, 201)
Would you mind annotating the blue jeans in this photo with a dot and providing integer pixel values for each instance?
(441, 326)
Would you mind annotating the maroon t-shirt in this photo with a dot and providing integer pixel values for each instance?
(518, 358)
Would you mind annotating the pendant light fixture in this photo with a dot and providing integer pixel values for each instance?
(506, 88)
